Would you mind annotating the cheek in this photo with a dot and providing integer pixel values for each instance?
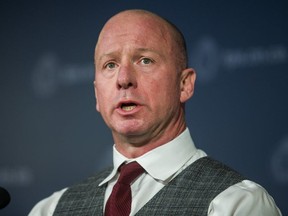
(100, 102)
(163, 97)
(168, 90)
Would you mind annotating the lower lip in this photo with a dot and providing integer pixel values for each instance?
(130, 112)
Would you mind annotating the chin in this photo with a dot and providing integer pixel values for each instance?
(130, 131)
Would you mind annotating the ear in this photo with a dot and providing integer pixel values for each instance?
(95, 90)
(188, 77)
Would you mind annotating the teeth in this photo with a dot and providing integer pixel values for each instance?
(128, 107)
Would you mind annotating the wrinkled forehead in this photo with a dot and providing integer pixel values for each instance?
(135, 25)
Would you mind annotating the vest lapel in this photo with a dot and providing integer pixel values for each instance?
(191, 192)
(86, 198)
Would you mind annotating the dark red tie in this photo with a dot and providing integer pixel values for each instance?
(119, 202)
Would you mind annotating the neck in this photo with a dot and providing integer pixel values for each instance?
(135, 146)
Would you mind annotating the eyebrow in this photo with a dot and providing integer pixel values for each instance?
(114, 53)
(107, 55)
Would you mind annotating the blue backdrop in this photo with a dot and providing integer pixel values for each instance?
(50, 134)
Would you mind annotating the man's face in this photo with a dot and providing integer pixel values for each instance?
(137, 82)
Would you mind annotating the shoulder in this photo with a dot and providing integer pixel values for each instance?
(243, 198)
(209, 170)
(47, 205)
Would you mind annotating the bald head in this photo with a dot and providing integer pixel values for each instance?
(130, 20)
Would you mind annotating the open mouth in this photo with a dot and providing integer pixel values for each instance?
(128, 106)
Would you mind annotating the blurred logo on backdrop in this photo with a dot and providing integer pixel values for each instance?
(16, 176)
(207, 57)
(50, 74)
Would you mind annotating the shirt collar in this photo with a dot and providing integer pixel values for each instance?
(162, 162)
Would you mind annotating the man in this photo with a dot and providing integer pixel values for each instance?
(141, 85)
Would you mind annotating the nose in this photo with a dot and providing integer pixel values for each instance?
(126, 78)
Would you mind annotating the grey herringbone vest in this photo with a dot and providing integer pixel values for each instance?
(190, 193)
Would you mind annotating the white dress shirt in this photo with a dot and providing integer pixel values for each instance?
(164, 163)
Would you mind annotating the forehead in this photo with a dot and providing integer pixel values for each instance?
(141, 30)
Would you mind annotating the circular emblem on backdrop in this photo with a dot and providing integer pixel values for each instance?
(279, 162)
(205, 58)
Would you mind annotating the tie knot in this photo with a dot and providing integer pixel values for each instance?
(129, 172)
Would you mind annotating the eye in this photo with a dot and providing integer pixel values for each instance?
(146, 61)
(110, 65)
